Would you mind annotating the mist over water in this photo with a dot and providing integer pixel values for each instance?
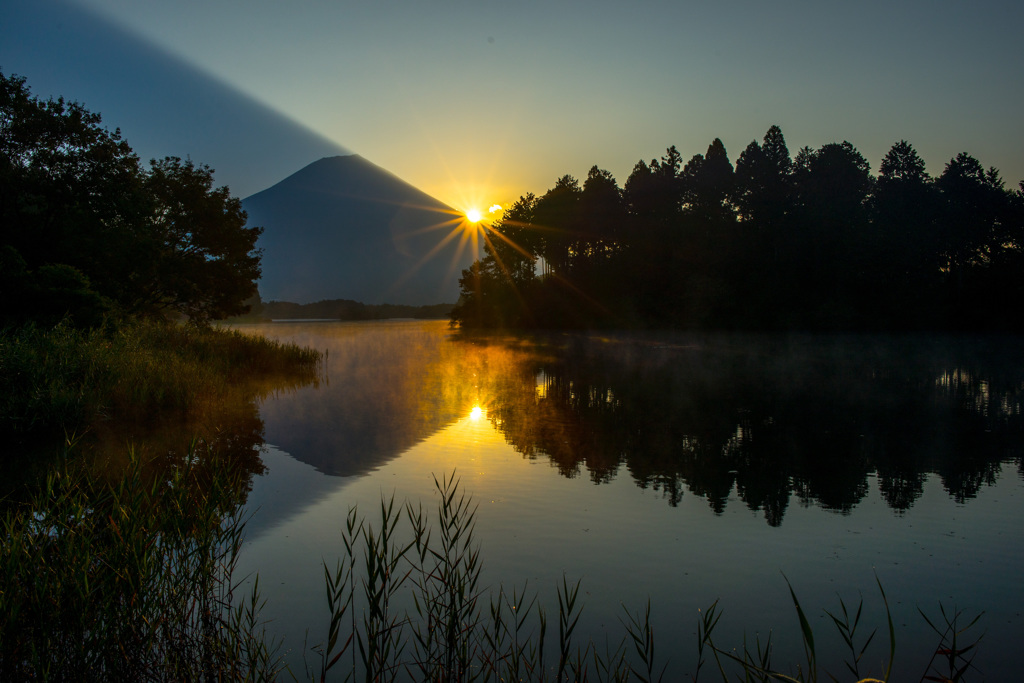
(680, 468)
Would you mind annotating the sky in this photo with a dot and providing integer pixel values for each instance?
(478, 102)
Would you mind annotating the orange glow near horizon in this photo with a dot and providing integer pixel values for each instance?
(466, 226)
(474, 214)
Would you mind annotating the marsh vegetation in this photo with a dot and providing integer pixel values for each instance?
(135, 580)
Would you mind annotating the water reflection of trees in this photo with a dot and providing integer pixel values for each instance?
(762, 419)
(226, 431)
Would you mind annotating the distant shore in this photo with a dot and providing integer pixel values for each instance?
(341, 310)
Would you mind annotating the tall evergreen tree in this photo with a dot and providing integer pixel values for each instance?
(903, 239)
(828, 247)
(513, 242)
(557, 216)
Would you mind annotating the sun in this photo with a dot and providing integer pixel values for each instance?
(474, 216)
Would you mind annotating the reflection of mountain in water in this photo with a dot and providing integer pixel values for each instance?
(770, 418)
(761, 419)
(386, 390)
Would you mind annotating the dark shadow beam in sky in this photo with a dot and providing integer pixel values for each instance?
(163, 106)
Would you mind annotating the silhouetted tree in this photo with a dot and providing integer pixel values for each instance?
(48, 294)
(705, 242)
(764, 202)
(980, 230)
(70, 194)
(603, 221)
(709, 183)
(603, 211)
(654, 198)
(812, 243)
(93, 229)
(654, 192)
(827, 252)
(557, 217)
(763, 193)
(496, 291)
(514, 241)
(904, 273)
(206, 262)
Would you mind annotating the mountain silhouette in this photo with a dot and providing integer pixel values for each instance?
(342, 227)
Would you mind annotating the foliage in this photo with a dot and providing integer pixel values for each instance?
(65, 377)
(206, 261)
(454, 633)
(776, 243)
(954, 658)
(144, 590)
(130, 580)
(85, 229)
(459, 630)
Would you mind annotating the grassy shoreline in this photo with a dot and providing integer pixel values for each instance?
(131, 577)
(144, 590)
(63, 378)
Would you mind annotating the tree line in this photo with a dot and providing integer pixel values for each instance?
(774, 242)
(87, 231)
(342, 309)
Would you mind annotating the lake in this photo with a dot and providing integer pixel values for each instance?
(678, 468)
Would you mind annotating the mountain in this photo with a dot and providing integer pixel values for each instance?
(343, 227)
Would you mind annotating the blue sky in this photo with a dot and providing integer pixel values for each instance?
(479, 102)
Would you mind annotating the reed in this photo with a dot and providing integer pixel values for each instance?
(130, 580)
(133, 580)
(63, 378)
(462, 632)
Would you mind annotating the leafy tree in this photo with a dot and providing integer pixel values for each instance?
(70, 191)
(94, 230)
(980, 226)
(902, 165)
(972, 203)
(638, 189)
(207, 262)
(604, 222)
(481, 303)
(833, 184)
(669, 166)
(751, 168)
(653, 192)
(48, 294)
(653, 195)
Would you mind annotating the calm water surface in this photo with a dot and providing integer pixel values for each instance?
(678, 468)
